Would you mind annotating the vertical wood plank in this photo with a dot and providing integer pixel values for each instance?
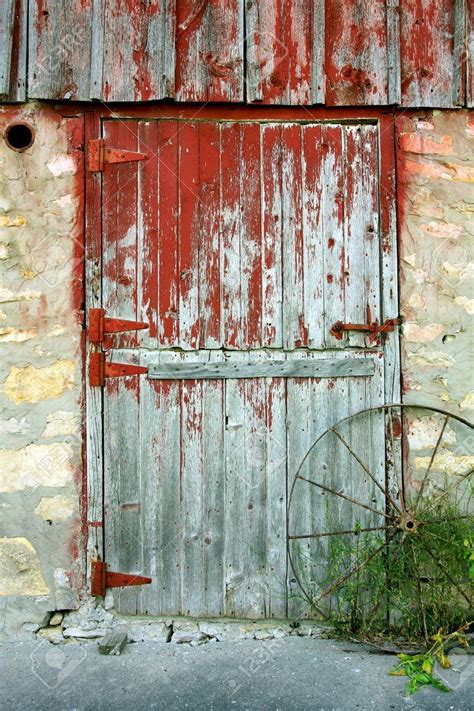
(333, 156)
(188, 235)
(356, 52)
(148, 225)
(272, 236)
(231, 234)
(251, 237)
(361, 231)
(427, 53)
(294, 326)
(94, 396)
(209, 50)
(314, 239)
(470, 55)
(209, 235)
(284, 48)
(192, 487)
(394, 88)
(134, 47)
(168, 234)
(59, 49)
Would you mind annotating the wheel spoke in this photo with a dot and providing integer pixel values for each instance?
(446, 491)
(445, 520)
(449, 577)
(355, 531)
(430, 464)
(384, 492)
(398, 475)
(344, 496)
(354, 569)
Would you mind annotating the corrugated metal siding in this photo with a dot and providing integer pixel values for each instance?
(371, 52)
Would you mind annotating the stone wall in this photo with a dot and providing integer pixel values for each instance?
(436, 229)
(41, 195)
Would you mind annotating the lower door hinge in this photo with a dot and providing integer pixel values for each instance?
(100, 369)
(101, 579)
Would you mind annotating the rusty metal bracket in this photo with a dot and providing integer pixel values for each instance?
(100, 369)
(99, 155)
(375, 328)
(101, 327)
(101, 579)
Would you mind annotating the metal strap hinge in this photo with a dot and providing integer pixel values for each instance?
(99, 155)
(100, 369)
(101, 579)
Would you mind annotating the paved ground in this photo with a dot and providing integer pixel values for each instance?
(291, 673)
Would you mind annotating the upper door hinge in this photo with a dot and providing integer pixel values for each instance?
(99, 155)
(101, 328)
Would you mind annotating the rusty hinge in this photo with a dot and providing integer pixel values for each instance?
(99, 155)
(100, 332)
(101, 328)
(100, 369)
(373, 329)
(101, 579)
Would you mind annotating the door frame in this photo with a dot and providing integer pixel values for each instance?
(389, 272)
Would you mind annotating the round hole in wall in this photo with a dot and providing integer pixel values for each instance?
(19, 136)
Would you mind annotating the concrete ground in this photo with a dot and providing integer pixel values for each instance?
(285, 674)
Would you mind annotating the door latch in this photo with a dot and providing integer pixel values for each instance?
(374, 329)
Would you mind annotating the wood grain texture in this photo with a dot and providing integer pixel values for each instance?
(133, 51)
(13, 50)
(356, 52)
(290, 52)
(431, 37)
(209, 46)
(59, 49)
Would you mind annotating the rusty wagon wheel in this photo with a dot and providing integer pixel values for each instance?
(380, 522)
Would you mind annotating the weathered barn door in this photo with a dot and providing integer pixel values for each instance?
(241, 243)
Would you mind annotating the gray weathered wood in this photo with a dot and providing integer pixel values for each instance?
(460, 51)
(251, 366)
(394, 89)
(318, 79)
(6, 32)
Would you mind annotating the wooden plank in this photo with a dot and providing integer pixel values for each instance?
(356, 53)
(361, 231)
(427, 50)
(133, 48)
(59, 50)
(470, 56)
(394, 88)
(294, 326)
(250, 365)
(271, 236)
(168, 281)
(7, 21)
(209, 50)
(333, 215)
(94, 396)
(284, 51)
(148, 215)
(209, 235)
(251, 237)
(314, 239)
(231, 225)
(188, 236)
